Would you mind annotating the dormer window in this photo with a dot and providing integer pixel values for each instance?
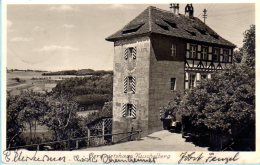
(132, 28)
(164, 27)
(190, 32)
(172, 24)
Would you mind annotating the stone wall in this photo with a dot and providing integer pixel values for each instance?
(161, 72)
(140, 70)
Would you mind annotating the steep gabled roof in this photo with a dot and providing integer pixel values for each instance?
(157, 21)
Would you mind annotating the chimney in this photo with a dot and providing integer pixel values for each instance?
(189, 10)
(174, 8)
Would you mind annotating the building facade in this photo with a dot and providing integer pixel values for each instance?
(155, 54)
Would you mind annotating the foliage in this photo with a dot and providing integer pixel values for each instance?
(237, 56)
(89, 92)
(226, 103)
(79, 72)
(27, 108)
(62, 118)
(249, 46)
(14, 127)
(171, 109)
(106, 112)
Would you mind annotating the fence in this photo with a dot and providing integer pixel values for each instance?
(77, 143)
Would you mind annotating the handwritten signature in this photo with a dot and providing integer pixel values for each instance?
(19, 156)
(186, 157)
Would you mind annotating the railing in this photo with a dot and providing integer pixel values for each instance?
(83, 142)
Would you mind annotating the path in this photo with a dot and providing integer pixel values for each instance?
(158, 141)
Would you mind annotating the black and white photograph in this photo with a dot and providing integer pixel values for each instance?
(138, 78)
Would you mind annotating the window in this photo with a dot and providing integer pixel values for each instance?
(192, 81)
(129, 84)
(225, 55)
(193, 51)
(129, 110)
(204, 53)
(173, 83)
(173, 50)
(130, 53)
(215, 56)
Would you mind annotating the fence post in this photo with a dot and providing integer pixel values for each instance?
(103, 132)
(112, 138)
(139, 135)
(77, 144)
(88, 141)
(69, 144)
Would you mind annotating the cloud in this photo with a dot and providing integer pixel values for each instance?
(62, 8)
(50, 48)
(21, 39)
(120, 6)
(38, 29)
(68, 26)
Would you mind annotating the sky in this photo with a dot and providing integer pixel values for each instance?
(63, 37)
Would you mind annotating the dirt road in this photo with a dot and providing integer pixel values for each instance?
(158, 141)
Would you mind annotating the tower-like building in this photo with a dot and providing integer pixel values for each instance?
(155, 54)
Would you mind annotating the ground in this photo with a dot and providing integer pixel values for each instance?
(158, 141)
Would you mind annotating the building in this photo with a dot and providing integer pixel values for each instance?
(157, 53)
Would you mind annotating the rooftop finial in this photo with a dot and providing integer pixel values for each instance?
(174, 8)
(204, 15)
(189, 10)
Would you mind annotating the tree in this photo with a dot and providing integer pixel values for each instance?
(33, 107)
(249, 46)
(14, 127)
(226, 103)
(62, 118)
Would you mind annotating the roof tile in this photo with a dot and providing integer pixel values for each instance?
(154, 20)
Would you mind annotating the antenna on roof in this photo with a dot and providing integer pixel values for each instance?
(204, 15)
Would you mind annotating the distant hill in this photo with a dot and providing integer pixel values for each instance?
(24, 70)
(80, 72)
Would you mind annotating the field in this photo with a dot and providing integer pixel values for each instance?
(29, 80)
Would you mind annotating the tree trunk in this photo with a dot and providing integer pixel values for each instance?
(35, 124)
(30, 125)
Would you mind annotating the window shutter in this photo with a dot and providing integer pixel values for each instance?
(134, 53)
(124, 110)
(125, 84)
(133, 84)
(126, 53)
(134, 111)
